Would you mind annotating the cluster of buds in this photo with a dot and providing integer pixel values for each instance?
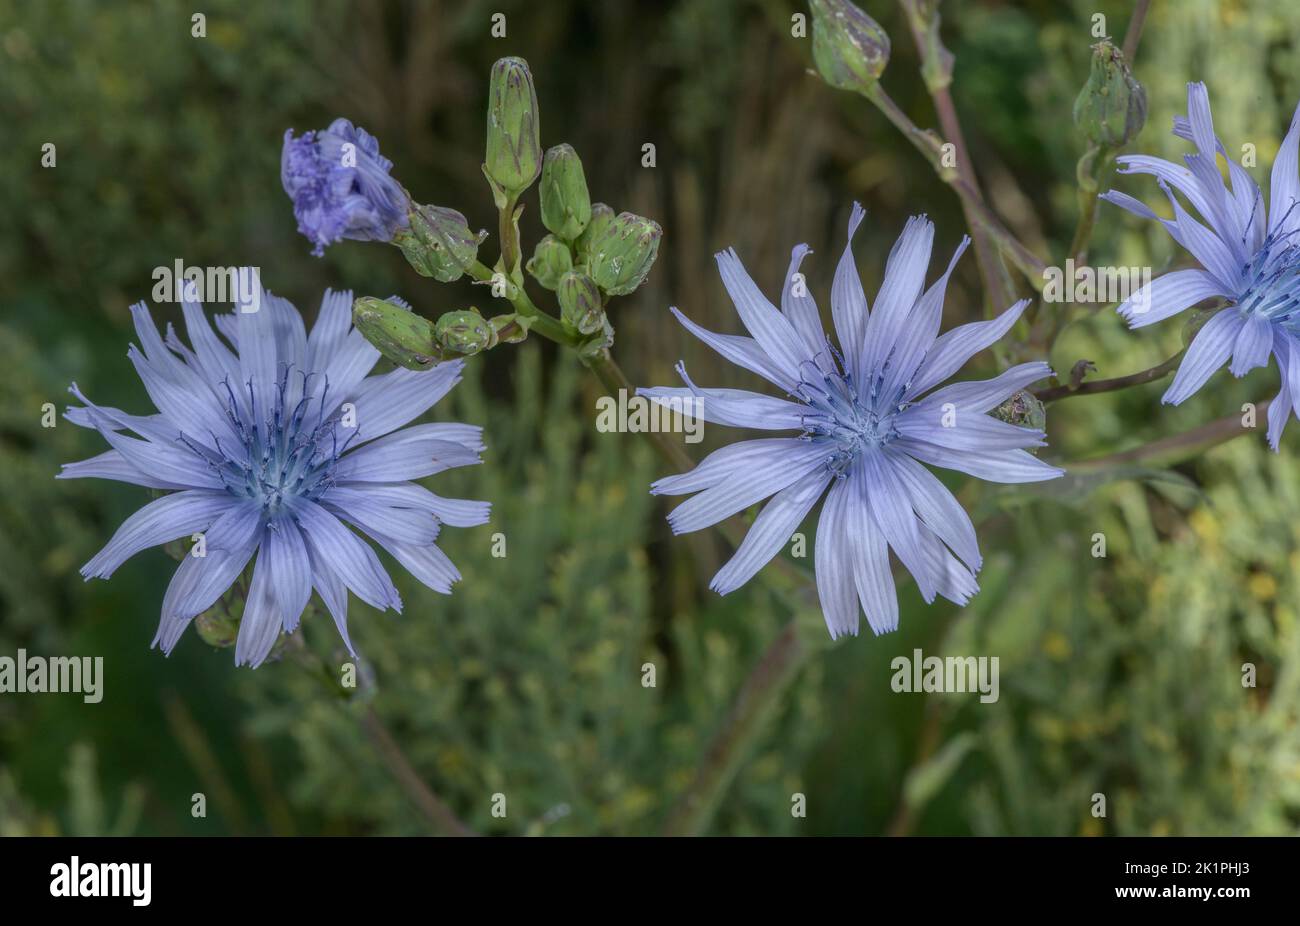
(589, 255)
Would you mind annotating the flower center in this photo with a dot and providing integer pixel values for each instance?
(1272, 287)
(837, 417)
(284, 452)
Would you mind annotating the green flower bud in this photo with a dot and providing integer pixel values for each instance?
(218, 626)
(580, 303)
(550, 261)
(849, 47)
(1112, 106)
(624, 252)
(566, 204)
(1023, 409)
(514, 151)
(399, 334)
(438, 243)
(601, 216)
(464, 332)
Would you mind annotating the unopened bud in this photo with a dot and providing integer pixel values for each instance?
(849, 47)
(438, 243)
(396, 332)
(601, 216)
(464, 332)
(550, 261)
(1112, 106)
(623, 253)
(514, 149)
(566, 204)
(580, 302)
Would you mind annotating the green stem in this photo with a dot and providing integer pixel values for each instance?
(755, 701)
(936, 68)
(931, 148)
(545, 325)
(1159, 371)
(1171, 450)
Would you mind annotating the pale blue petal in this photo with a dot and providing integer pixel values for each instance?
(937, 508)
(289, 566)
(1008, 466)
(884, 493)
(834, 562)
(904, 279)
(161, 521)
(729, 462)
(870, 552)
(393, 400)
(1208, 352)
(764, 321)
(770, 531)
(849, 303)
(339, 549)
(953, 348)
(800, 308)
(742, 351)
(1167, 295)
(723, 500)
(986, 394)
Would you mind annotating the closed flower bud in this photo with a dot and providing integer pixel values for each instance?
(398, 333)
(550, 261)
(566, 204)
(464, 332)
(438, 243)
(1023, 409)
(514, 150)
(1112, 106)
(601, 216)
(849, 47)
(580, 303)
(623, 253)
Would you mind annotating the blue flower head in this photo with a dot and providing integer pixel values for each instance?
(266, 443)
(867, 421)
(340, 186)
(1249, 256)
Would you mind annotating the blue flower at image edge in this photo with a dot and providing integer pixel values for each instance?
(266, 447)
(867, 427)
(1249, 256)
(340, 186)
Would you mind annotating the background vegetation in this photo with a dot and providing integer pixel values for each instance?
(1119, 675)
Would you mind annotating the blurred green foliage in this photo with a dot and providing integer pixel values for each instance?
(1120, 675)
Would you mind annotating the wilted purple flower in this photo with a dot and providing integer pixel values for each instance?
(867, 428)
(267, 449)
(1250, 257)
(340, 186)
